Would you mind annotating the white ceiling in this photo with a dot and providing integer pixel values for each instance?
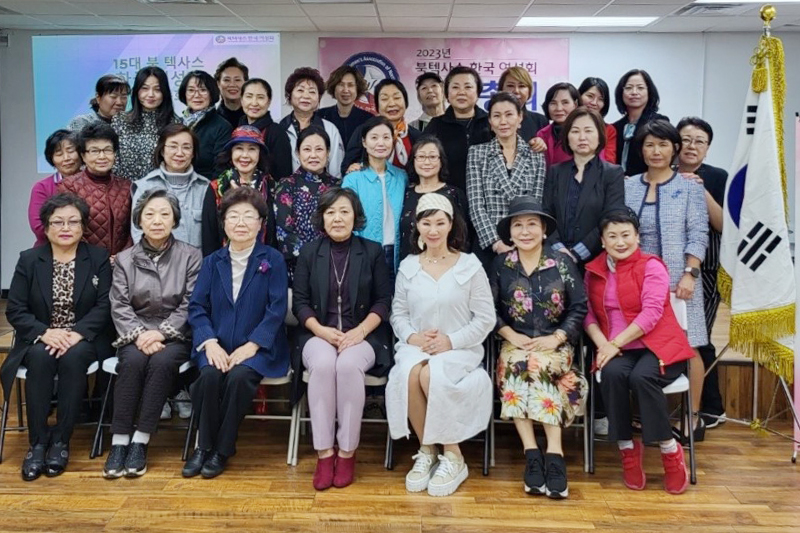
(390, 16)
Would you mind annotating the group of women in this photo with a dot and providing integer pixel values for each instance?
(500, 221)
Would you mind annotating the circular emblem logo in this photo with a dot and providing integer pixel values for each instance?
(374, 67)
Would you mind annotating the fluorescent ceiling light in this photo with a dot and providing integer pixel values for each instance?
(569, 22)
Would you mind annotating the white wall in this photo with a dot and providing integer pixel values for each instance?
(697, 74)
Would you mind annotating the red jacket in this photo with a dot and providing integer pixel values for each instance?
(109, 224)
(667, 340)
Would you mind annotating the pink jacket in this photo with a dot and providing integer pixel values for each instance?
(40, 192)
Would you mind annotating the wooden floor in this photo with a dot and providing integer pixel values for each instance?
(747, 484)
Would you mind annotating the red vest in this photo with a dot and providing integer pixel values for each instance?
(666, 340)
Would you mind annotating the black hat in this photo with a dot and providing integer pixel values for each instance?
(427, 76)
(523, 205)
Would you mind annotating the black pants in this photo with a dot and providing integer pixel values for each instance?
(222, 401)
(711, 399)
(637, 371)
(143, 384)
(42, 370)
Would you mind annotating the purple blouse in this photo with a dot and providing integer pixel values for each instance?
(40, 192)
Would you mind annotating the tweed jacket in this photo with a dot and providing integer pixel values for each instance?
(490, 188)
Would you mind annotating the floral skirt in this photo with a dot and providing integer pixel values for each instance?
(541, 386)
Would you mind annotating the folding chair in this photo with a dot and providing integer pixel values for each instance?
(110, 368)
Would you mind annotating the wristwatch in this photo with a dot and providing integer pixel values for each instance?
(695, 272)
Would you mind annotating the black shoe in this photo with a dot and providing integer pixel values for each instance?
(115, 462)
(713, 421)
(195, 463)
(534, 472)
(136, 462)
(214, 465)
(33, 464)
(699, 433)
(57, 459)
(556, 474)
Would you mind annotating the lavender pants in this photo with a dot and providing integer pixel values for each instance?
(336, 391)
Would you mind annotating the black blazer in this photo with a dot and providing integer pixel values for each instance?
(603, 191)
(30, 302)
(354, 149)
(368, 277)
(635, 164)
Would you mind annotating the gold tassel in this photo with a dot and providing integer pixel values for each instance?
(725, 285)
(758, 427)
(758, 81)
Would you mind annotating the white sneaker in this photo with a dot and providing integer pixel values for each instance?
(183, 404)
(166, 411)
(601, 426)
(420, 474)
(450, 474)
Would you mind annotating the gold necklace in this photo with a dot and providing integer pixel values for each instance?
(436, 261)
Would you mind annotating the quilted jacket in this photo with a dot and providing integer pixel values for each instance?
(109, 202)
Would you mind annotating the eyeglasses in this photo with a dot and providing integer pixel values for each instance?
(431, 158)
(202, 91)
(58, 223)
(688, 141)
(95, 152)
(247, 218)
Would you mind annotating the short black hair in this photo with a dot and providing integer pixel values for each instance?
(231, 62)
(386, 82)
(551, 94)
(300, 74)
(203, 78)
(620, 216)
(698, 123)
(425, 76)
(171, 130)
(107, 84)
(456, 239)
(313, 129)
(652, 92)
(97, 131)
(578, 112)
(660, 129)
(165, 112)
(329, 197)
(152, 194)
(601, 85)
(502, 96)
(63, 199)
(336, 78)
(427, 138)
(264, 83)
(461, 69)
(373, 123)
(242, 195)
(53, 142)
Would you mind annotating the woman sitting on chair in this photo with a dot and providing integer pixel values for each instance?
(641, 348)
(58, 307)
(540, 310)
(236, 313)
(441, 314)
(342, 297)
(150, 293)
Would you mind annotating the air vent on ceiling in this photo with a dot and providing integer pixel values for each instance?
(714, 10)
(193, 2)
(6, 11)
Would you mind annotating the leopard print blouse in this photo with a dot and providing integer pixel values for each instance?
(137, 142)
(63, 288)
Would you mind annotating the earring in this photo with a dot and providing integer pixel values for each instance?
(421, 243)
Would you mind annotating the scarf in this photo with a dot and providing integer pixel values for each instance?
(193, 118)
(230, 180)
(400, 133)
(152, 252)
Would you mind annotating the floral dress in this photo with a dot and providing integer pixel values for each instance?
(540, 385)
(296, 200)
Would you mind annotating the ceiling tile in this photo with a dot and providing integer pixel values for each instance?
(404, 10)
(127, 8)
(254, 2)
(281, 23)
(41, 8)
(410, 24)
(144, 22)
(212, 23)
(339, 10)
(364, 24)
(551, 10)
(648, 10)
(582, 2)
(76, 20)
(488, 10)
(641, 2)
(517, 2)
(209, 10)
(385, 2)
(482, 24)
(681, 24)
(267, 10)
(22, 21)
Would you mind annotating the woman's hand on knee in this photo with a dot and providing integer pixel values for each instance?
(217, 357)
(330, 335)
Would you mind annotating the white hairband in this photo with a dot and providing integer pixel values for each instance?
(434, 201)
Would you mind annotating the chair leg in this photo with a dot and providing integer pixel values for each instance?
(97, 443)
(487, 446)
(492, 436)
(20, 412)
(297, 428)
(590, 425)
(292, 423)
(689, 411)
(188, 439)
(388, 460)
(3, 425)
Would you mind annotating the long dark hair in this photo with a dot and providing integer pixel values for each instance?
(165, 111)
(652, 93)
(456, 239)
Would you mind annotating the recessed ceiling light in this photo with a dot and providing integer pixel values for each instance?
(569, 22)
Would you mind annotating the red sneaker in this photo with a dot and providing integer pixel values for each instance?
(345, 471)
(632, 471)
(676, 478)
(323, 474)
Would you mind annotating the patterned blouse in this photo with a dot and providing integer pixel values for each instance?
(296, 200)
(63, 287)
(550, 298)
(137, 142)
(261, 182)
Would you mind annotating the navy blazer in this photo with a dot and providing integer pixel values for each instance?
(257, 315)
(30, 302)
